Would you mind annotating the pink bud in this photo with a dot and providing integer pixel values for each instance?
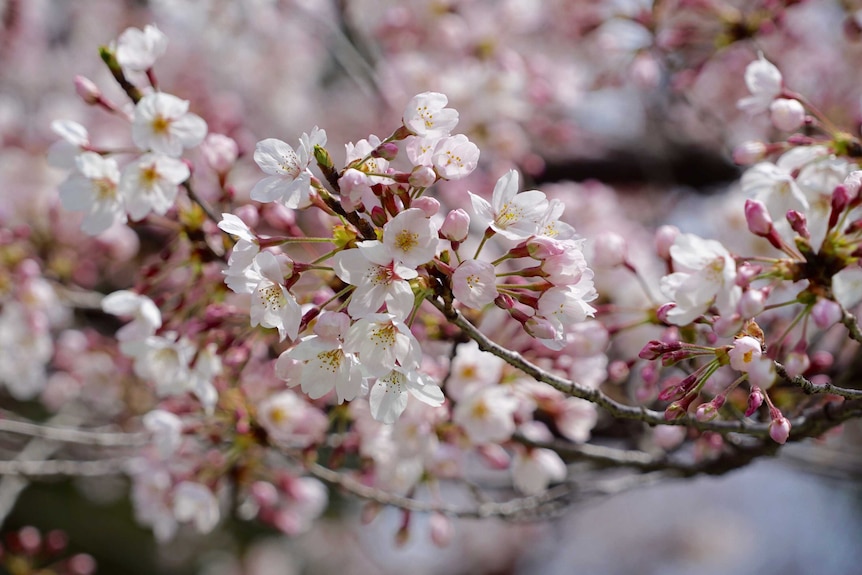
(378, 216)
(664, 238)
(427, 204)
(540, 328)
(264, 493)
(799, 223)
(220, 152)
(748, 153)
(422, 177)
(618, 371)
(87, 90)
(746, 272)
(609, 250)
(81, 564)
(387, 151)
(797, 363)
(706, 412)
(441, 529)
(755, 400)
(779, 429)
(542, 248)
(655, 349)
(752, 303)
(279, 216)
(757, 217)
(826, 313)
(248, 214)
(787, 115)
(456, 226)
(30, 539)
(840, 201)
(494, 456)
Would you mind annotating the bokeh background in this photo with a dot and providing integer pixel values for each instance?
(627, 103)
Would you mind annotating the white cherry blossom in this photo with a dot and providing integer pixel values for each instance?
(411, 238)
(389, 394)
(474, 283)
(271, 304)
(137, 50)
(426, 114)
(150, 184)
(288, 179)
(706, 274)
(534, 469)
(378, 279)
(455, 157)
(326, 364)
(163, 124)
(382, 341)
(92, 189)
(764, 82)
(195, 503)
(487, 415)
(513, 215)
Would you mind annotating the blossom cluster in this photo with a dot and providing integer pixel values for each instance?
(413, 316)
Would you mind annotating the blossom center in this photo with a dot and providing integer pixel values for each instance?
(330, 360)
(161, 125)
(271, 297)
(406, 240)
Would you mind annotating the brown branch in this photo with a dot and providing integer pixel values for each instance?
(73, 435)
(811, 424)
(52, 467)
(811, 388)
(850, 322)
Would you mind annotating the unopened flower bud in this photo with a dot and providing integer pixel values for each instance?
(441, 529)
(378, 216)
(494, 456)
(755, 400)
(220, 152)
(665, 236)
(540, 328)
(655, 349)
(705, 412)
(81, 564)
(264, 494)
(786, 114)
(840, 201)
(422, 177)
(369, 512)
(826, 313)
(779, 429)
(746, 272)
(427, 204)
(752, 302)
(797, 362)
(456, 226)
(542, 248)
(248, 214)
(87, 90)
(609, 250)
(748, 153)
(618, 371)
(279, 216)
(799, 223)
(757, 217)
(387, 151)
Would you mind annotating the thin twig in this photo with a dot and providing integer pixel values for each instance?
(73, 435)
(812, 388)
(807, 425)
(851, 323)
(69, 468)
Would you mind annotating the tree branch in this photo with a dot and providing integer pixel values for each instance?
(73, 435)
